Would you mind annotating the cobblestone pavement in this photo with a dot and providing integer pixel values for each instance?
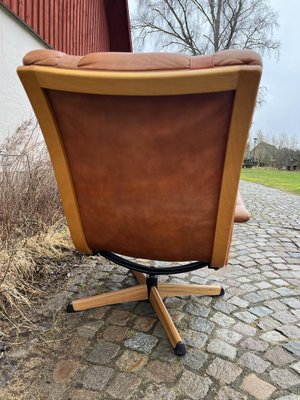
(245, 345)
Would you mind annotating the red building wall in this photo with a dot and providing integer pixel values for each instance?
(77, 26)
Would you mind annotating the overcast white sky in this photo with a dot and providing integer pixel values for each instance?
(281, 112)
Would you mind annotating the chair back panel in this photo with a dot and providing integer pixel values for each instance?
(146, 170)
(147, 148)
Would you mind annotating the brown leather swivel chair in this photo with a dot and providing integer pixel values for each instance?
(147, 150)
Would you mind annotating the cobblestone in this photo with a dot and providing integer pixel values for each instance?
(64, 371)
(88, 331)
(252, 361)
(253, 298)
(290, 331)
(285, 292)
(263, 285)
(123, 386)
(242, 346)
(226, 393)
(296, 367)
(245, 316)
(157, 392)
(244, 329)
(258, 388)
(131, 361)
(102, 352)
(118, 317)
(278, 356)
(197, 309)
(293, 347)
(95, 377)
(202, 325)
(228, 336)
(82, 394)
(237, 301)
(223, 320)
(292, 302)
(284, 378)
(272, 337)
(221, 348)
(260, 311)
(194, 359)
(224, 307)
(114, 334)
(144, 323)
(142, 342)
(268, 324)
(276, 305)
(267, 294)
(163, 351)
(193, 385)
(254, 344)
(224, 371)
(160, 371)
(285, 317)
(195, 339)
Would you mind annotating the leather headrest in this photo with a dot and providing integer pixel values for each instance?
(141, 61)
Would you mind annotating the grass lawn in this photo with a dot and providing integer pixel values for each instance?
(284, 180)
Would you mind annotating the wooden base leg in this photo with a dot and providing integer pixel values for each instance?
(166, 320)
(135, 293)
(139, 277)
(170, 290)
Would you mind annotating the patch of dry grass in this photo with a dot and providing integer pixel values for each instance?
(33, 234)
(33, 257)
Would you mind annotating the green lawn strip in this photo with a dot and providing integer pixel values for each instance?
(284, 180)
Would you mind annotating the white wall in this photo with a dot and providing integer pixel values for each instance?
(15, 42)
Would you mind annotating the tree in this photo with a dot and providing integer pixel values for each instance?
(275, 150)
(206, 26)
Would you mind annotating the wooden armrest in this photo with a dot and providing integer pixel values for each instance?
(241, 214)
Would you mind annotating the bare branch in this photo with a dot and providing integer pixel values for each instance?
(198, 26)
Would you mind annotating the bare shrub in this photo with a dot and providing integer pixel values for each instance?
(33, 232)
(29, 200)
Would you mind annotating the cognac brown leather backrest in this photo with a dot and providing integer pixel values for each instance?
(147, 148)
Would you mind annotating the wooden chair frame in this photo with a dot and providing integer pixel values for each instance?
(244, 80)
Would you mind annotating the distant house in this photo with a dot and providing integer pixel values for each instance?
(268, 155)
(75, 27)
(264, 154)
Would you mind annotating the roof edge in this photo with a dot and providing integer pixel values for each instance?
(23, 23)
